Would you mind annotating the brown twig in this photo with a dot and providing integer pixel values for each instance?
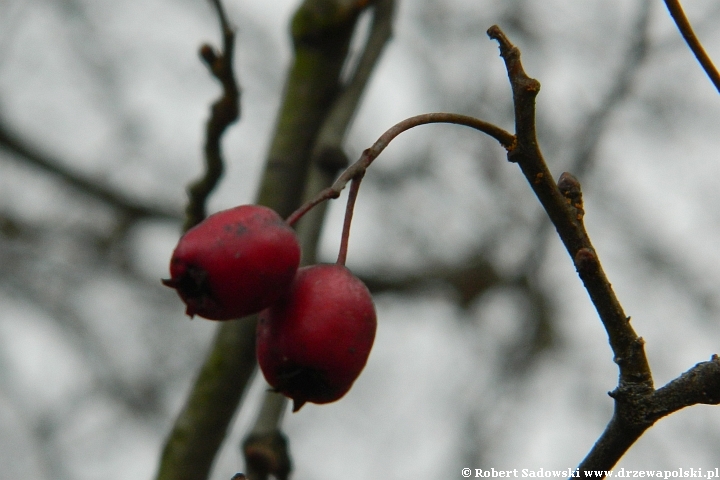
(635, 375)
(633, 364)
(584, 144)
(637, 404)
(634, 415)
(686, 30)
(224, 112)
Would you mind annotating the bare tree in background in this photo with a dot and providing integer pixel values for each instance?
(456, 225)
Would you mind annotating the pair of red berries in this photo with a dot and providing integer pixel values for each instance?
(316, 324)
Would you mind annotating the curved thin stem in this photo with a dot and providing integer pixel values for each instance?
(505, 138)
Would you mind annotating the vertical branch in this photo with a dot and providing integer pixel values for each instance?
(264, 448)
(224, 112)
(328, 156)
(200, 428)
(321, 32)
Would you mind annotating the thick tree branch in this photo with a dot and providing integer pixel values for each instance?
(321, 32)
(201, 426)
(328, 155)
(264, 448)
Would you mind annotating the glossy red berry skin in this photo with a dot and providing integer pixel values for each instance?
(315, 341)
(234, 263)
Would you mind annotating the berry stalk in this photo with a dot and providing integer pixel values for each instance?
(505, 138)
(352, 196)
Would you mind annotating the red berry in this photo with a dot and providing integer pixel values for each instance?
(315, 341)
(234, 263)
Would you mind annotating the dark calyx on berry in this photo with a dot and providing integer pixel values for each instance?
(194, 288)
(234, 263)
(314, 342)
(303, 383)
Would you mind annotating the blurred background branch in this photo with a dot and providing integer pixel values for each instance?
(224, 112)
(24, 151)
